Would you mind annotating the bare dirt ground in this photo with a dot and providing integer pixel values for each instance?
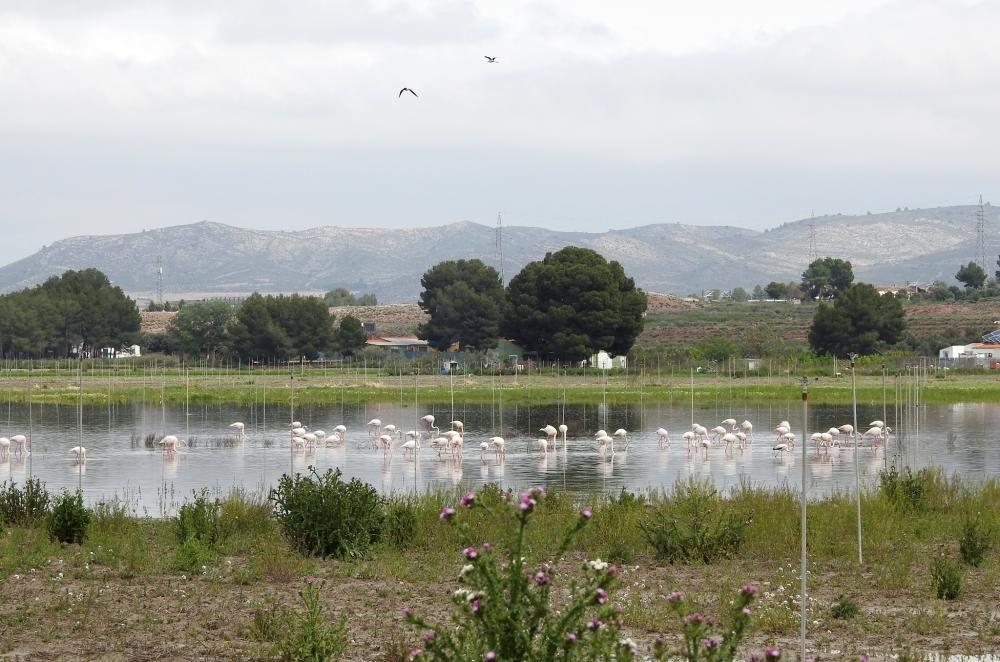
(70, 609)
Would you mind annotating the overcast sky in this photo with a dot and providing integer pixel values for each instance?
(119, 115)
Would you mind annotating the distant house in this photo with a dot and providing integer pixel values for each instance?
(407, 345)
(604, 361)
(985, 354)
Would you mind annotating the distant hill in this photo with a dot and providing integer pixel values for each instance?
(211, 259)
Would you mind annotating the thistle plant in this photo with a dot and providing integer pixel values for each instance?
(504, 609)
(705, 639)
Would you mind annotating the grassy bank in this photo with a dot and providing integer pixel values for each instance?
(214, 582)
(618, 388)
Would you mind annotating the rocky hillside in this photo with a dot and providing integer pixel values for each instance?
(210, 259)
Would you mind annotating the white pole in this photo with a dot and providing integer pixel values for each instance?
(804, 562)
(857, 450)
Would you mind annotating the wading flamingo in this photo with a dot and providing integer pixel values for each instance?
(663, 437)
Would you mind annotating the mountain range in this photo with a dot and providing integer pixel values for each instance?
(211, 259)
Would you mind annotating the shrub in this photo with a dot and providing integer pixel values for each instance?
(69, 518)
(844, 608)
(325, 516)
(192, 555)
(300, 635)
(907, 490)
(198, 520)
(504, 610)
(695, 524)
(400, 523)
(946, 578)
(23, 506)
(975, 542)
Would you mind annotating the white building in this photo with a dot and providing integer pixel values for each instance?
(604, 361)
(951, 353)
(986, 354)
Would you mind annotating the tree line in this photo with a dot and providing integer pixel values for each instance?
(566, 306)
(77, 313)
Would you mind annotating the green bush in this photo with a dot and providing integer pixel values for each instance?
(23, 506)
(198, 520)
(192, 555)
(325, 516)
(695, 524)
(907, 490)
(69, 518)
(400, 523)
(300, 635)
(844, 608)
(946, 578)
(975, 542)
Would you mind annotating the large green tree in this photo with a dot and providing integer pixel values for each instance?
(202, 328)
(971, 275)
(465, 300)
(776, 290)
(858, 321)
(281, 327)
(343, 297)
(826, 277)
(351, 335)
(255, 335)
(572, 304)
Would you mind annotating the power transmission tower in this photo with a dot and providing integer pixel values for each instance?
(813, 254)
(981, 235)
(498, 248)
(159, 280)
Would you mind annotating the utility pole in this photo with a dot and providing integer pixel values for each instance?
(981, 235)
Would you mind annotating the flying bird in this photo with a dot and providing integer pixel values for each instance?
(406, 89)
(490, 60)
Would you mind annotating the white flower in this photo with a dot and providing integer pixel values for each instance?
(467, 568)
(598, 565)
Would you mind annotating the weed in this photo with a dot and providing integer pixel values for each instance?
(400, 523)
(323, 515)
(946, 578)
(192, 555)
(300, 635)
(695, 524)
(23, 506)
(974, 542)
(68, 520)
(844, 608)
(198, 520)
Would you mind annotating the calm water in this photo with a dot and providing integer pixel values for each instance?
(961, 438)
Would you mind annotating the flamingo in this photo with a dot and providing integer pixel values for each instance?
(498, 447)
(742, 436)
(341, 430)
(483, 447)
(550, 432)
(299, 432)
(603, 442)
(296, 424)
(747, 428)
(543, 445)
(19, 443)
(298, 444)
(730, 423)
(622, 434)
(847, 430)
(563, 429)
(782, 430)
(310, 439)
(79, 454)
(457, 426)
(320, 436)
(4, 447)
(239, 427)
(729, 438)
(374, 427)
(390, 429)
(169, 443)
(412, 444)
(663, 436)
(428, 422)
(457, 445)
(718, 431)
(835, 433)
(877, 424)
(789, 438)
(700, 431)
(705, 443)
(689, 438)
(385, 441)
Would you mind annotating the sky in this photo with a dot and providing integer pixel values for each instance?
(123, 115)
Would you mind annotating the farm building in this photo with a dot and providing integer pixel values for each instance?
(408, 345)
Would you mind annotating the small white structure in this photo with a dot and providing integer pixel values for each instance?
(604, 361)
(951, 353)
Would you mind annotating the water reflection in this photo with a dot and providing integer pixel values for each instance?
(125, 458)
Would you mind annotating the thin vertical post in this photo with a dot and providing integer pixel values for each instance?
(857, 450)
(804, 561)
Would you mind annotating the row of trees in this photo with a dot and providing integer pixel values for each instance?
(263, 327)
(567, 306)
(77, 312)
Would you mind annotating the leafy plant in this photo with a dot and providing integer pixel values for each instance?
(400, 523)
(198, 520)
(907, 490)
(25, 505)
(946, 578)
(975, 542)
(844, 608)
(505, 610)
(705, 639)
(300, 635)
(323, 515)
(696, 524)
(68, 520)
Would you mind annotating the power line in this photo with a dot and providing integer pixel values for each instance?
(498, 248)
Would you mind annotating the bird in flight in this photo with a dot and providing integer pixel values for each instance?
(490, 60)
(406, 89)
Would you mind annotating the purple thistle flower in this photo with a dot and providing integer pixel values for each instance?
(675, 596)
(447, 513)
(528, 502)
(487, 547)
(772, 653)
(570, 637)
(427, 636)
(586, 512)
(748, 589)
(407, 612)
(745, 611)
(541, 578)
(593, 624)
(601, 596)
(612, 570)
(470, 553)
(467, 499)
(863, 658)
(415, 653)
(711, 642)
(475, 605)
(490, 656)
